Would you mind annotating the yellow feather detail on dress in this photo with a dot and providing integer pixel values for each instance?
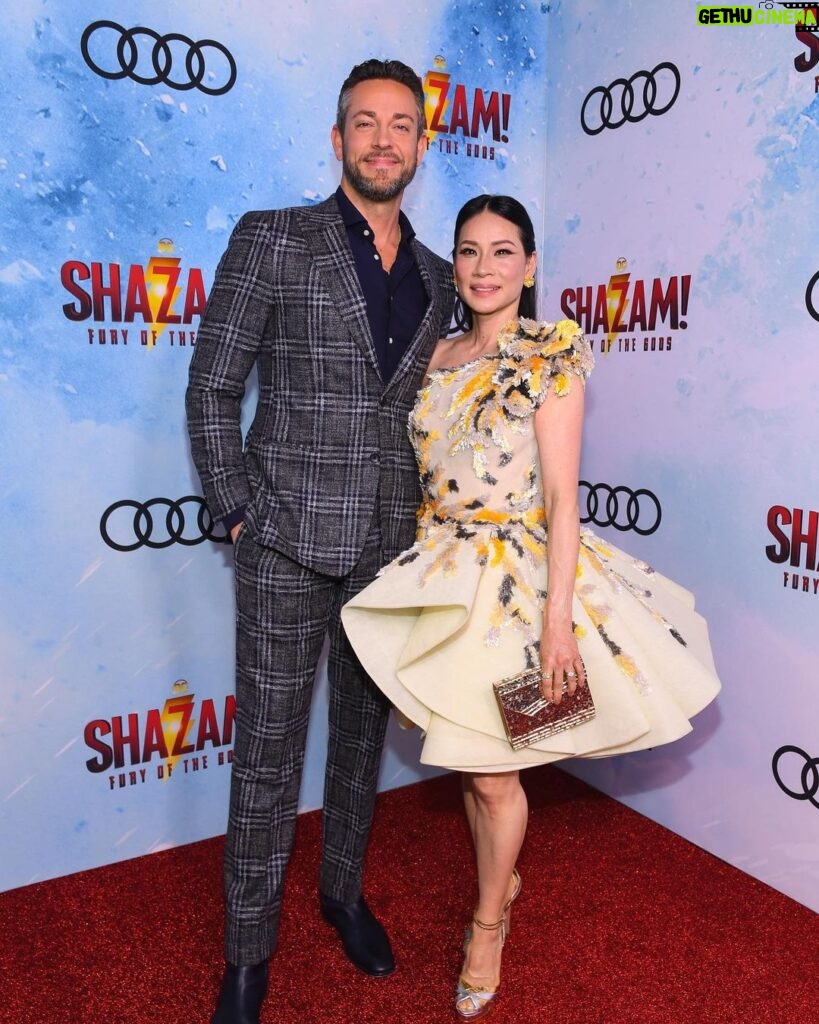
(497, 551)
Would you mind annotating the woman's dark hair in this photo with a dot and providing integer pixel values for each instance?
(513, 211)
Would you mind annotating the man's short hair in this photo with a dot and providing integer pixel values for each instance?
(374, 69)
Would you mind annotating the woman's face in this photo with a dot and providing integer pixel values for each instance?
(490, 264)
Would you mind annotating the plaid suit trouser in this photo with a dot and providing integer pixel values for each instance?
(284, 611)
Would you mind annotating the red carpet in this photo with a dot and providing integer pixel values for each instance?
(619, 921)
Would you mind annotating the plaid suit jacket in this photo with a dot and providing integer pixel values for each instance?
(329, 438)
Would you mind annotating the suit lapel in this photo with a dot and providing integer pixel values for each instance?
(326, 238)
(427, 329)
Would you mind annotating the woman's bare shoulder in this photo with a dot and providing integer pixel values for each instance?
(443, 353)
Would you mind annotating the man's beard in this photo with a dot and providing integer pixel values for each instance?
(377, 190)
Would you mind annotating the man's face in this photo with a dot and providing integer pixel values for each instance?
(380, 147)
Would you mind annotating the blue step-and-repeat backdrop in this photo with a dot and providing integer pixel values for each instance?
(669, 163)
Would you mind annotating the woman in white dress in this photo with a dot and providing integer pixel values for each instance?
(501, 578)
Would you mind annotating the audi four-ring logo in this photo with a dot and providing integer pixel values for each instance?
(114, 58)
(127, 525)
(808, 776)
(809, 303)
(612, 105)
(621, 508)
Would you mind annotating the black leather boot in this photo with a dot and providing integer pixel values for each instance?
(241, 995)
(364, 939)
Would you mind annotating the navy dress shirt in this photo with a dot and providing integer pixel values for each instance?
(396, 301)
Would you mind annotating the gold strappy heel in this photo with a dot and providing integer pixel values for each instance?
(516, 887)
(507, 907)
(480, 1000)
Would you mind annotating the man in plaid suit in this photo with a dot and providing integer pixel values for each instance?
(338, 306)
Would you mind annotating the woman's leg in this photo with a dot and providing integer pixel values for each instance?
(497, 813)
(469, 803)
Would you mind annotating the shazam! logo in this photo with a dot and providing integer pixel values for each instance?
(632, 314)
(461, 120)
(808, 36)
(159, 295)
(795, 532)
(182, 737)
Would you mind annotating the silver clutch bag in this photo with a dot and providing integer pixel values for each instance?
(529, 717)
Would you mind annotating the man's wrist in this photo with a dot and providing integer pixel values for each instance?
(234, 519)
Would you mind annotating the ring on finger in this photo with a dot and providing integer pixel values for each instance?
(571, 674)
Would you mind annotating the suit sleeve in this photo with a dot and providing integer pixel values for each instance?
(227, 345)
(446, 319)
(447, 287)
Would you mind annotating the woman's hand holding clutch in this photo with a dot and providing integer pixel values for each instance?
(560, 662)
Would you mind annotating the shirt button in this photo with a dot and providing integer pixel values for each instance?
(375, 256)
(366, 233)
(391, 341)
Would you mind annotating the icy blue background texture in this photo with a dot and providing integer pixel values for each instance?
(715, 414)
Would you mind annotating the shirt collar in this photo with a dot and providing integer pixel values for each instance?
(353, 217)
